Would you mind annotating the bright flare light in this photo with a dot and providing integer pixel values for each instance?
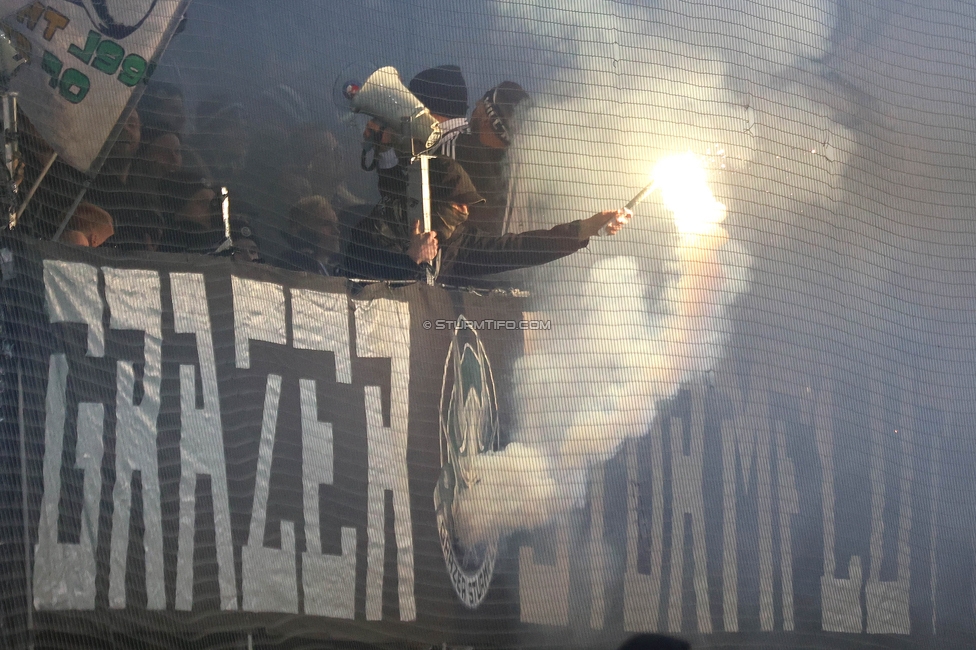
(684, 191)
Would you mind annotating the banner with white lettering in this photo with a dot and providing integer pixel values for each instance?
(224, 453)
(85, 59)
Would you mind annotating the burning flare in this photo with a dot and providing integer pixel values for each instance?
(543, 473)
(685, 192)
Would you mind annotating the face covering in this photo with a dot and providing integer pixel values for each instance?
(446, 219)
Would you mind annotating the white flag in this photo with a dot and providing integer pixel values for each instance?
(86, 58)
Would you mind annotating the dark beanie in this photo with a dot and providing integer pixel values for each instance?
(442, 90)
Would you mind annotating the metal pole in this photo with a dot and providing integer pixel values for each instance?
(228, 243)
(71, 211)
(406, 126)
(225, 210)
(37, 183)
(10, 150)
(10, 130)
(425, 189)
(425, 201)
(29, 582)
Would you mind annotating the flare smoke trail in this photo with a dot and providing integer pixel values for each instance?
(644, 360)
(624, 85)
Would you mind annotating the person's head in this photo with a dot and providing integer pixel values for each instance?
(162, 152)
(279, 109)
(442, 90)
(313, 226)
(161, 107)
(292, 186)
(89, 226)
(246, 250)
(222, 136)
(654, 642)
(127, 143)
(451, 193)
(315, 156)
(493, 119)
(200, 206)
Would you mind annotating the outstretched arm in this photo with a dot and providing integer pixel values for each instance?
(471, 253)
(612, 220)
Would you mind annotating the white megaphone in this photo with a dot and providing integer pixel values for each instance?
(384, 97)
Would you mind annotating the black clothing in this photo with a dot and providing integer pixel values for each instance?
(442, 90)
(470, 252)
(378, 250)
(306, 262)
(485, 165)
(185, 236)
(181, 235)
(136, 212)
(486, 168)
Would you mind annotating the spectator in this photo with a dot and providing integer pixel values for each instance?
(119, 161)
(314, 167)
(177, 210)
(280, 109)
(150, 194)
(162, 153)
(274, 114)
(443, 91)
(121, 189)
(221, 139)
(480, 146)
(161, 108)
(192, 215)
(164, 114)
(313, 238)
(445, 94)
(482, 149)
(384, 247)
(88, 226)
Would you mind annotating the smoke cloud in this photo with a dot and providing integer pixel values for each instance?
(596, 382)
(627, 86)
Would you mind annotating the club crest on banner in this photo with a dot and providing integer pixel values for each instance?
(468, 427)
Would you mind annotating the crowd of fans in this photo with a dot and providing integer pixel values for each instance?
(263, 183)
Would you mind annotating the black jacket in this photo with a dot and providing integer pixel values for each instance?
(378, 251)
(470, 253)
(306, 262)
(488, 171)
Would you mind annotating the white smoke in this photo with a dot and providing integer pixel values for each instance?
(597, 382)
(626, 86)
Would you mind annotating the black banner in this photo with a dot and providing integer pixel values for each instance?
(228, 454)
(208, 437)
